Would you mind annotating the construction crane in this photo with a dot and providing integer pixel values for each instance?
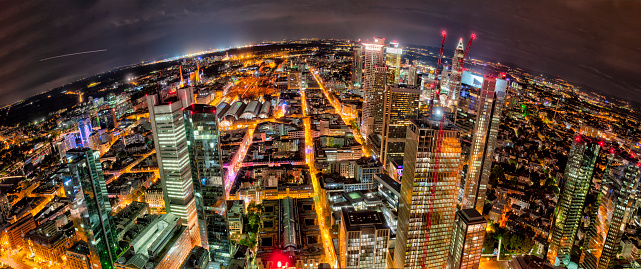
(437, 151)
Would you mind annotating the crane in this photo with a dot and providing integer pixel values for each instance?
(437, 151)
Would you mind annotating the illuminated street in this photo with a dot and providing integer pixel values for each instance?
(330, 254)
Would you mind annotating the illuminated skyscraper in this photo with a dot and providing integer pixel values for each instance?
(89, 206)
(400, 106)
(168, 127)
(467, 241)
(84, 128)
(421, 243)
(374, 76)
(456, 72)
(615, 205)
(393, 62)
(488, 115)
(578, 174)
(357, 66)
(203, 141)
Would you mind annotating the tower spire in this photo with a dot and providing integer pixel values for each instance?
(460, 45)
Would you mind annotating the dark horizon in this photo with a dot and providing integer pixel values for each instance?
(53, 43)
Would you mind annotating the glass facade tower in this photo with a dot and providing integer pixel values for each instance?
(168, 125)
(422, 243)
(89, 206)
(486, 127)
(400, 105)
(578, 175)
(615, 205)
(203, 141)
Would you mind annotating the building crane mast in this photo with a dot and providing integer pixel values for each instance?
(437, 151)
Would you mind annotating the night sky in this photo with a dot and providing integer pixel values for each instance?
(594, 43)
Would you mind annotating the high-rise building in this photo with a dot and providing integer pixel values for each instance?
(421, 242)
(374, 76)
(456, 73)
(615, 206)
(577, 177)
(89, 206)
(488, 115)
(467, 241)
(363, 238)
(393, 62)
(203, 141)
(168, 125)
(84, 128)
(400, 105)
(357, 66)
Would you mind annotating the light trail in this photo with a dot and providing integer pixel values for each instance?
(72, 54)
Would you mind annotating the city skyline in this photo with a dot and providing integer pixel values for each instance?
(321, 153)
(600, 55)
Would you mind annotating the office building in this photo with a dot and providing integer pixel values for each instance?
(615, 205)
(486, 127)
(84, 131)
(47, 243)
(423, 242)
(577, 177)
(16, 231)
(89, 206)
(364, 238)
(400, 105)
(203, 141)
(198, 259)
(374, 76)
(357, 65)
(467, 240)
(393, 55)
(456, 73)
(168, 125)
(78, 256)
(163, 244)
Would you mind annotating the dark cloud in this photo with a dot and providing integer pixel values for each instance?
(595, 43)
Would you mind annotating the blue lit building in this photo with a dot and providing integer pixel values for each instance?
(89, 205)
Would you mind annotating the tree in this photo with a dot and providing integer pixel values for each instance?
(527, 244)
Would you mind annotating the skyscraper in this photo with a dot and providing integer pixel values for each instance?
(168, 125)
(488, 114)
(467, 241)
(615, 206)
(363, 238)
(400, 105)
(89, 206)
(357, 66)
(578, 174)
(424, 243)
(203, 141)
(456, 72)
(374, 76)
(393, 62)
(84, 131)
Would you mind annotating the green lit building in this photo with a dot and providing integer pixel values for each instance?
(615, 206)
(203, 142)
(89, 205)
(567, 216)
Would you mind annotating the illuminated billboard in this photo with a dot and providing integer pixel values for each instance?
(471, 79)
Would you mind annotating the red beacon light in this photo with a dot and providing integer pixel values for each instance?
(577, 138)
(601, 143)
(612, 150)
